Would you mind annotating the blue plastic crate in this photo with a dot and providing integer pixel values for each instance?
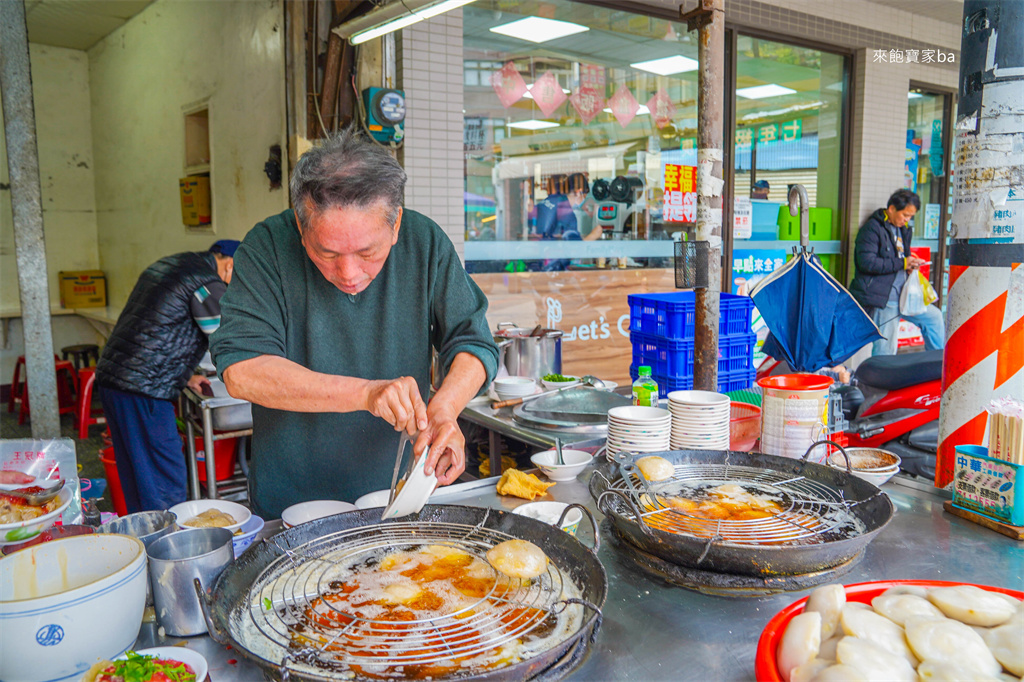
(671, 315)
(674, 358)
(727, 381)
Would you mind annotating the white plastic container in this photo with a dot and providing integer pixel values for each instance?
(794, 414)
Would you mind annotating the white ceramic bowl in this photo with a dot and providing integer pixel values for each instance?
(550, 512)
(303, 512)
(873, 477)
(250, 529)
(514, 387)
(552, 385)
(866, 460)
(70, 603)
(378, 498)
(699, 398)
(636, 414)
(575, 462)
(20, 531)
(193, 659)
(187, 510)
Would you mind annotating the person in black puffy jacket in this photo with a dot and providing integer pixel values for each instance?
(151, 355)
(883, 262)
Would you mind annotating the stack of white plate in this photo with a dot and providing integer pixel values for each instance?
(700, 420)
(632, 428)
(507, 388)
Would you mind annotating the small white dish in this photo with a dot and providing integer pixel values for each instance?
(514, 387)
(378, 498)
(415, 493)
(304, 512)
(638, 415)
(186, 511)
(550, 512)
(192, 659)
(609, 385)
(553, 385)
(249, 530)
(699, 398)
(575, 462)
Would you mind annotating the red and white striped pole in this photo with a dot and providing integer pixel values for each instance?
(984, 353)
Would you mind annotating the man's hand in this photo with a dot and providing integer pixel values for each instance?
(200, 385)
(913, 262)
(447, 444)
(398, 402)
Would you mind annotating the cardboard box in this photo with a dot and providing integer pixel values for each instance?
(195, 200)
(82, 288)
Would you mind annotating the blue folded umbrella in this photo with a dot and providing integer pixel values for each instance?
(813, 319)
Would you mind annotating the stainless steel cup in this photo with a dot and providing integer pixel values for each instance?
(174, 561)
(148, 526)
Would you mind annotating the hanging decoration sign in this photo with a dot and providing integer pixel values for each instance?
(662, 109)
(588, 103)
(508, 85)
(547, 93)
(771, 132)
(680, 194)
(592, 76)
(624, 106)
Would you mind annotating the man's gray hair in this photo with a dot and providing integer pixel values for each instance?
(344, 170)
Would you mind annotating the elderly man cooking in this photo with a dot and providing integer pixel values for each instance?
(328, 326)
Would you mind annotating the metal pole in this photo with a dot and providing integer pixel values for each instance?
(984, 352)
(26, 204)
(709, 18)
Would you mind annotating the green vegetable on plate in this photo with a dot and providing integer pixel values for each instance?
(557, 377)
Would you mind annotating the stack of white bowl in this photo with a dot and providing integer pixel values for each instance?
(632, 428)
(508, 388)
(700, 420)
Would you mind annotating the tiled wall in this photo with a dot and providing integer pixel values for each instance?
(430, 68)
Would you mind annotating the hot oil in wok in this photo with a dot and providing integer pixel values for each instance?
(425, 612)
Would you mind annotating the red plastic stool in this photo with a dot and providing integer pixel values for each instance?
(16, 387)
(66, 391)
(84, 410)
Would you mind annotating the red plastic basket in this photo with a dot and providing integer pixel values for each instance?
(766, 668)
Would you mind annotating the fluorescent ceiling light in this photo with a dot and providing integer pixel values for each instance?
(914, 95)
(533, 124)
(539, 29)
(529, 95)
(639, 112)
(764, 91)
(391, 17)
(667, 65)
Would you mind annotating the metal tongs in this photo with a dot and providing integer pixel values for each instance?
(411, 503)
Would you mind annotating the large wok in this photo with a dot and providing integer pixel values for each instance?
(228, 602)
(866, 503)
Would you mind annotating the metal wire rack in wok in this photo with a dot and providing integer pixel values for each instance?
(287, 604)
(807, 510)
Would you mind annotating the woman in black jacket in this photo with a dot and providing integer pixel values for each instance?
(883, 261)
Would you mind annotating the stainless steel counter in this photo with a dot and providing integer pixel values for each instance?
(653, 631)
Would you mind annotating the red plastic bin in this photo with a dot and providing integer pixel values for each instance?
(224, 452)
(113, 480)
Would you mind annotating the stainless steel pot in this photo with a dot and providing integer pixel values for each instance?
(530, 355)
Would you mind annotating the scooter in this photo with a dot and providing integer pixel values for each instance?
(893, 403)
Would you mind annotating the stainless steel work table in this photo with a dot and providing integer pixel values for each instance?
(197, 413)
(653, 631)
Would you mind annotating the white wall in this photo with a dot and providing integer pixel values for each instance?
(143, 77)
(60, 89)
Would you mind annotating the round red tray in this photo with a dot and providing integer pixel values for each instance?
(766, 667)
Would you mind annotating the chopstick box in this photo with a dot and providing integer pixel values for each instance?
(988, 486)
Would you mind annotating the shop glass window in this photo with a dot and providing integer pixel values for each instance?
(580, 136)
(789, 105)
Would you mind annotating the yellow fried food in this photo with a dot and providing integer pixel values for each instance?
(655, 468)
(211, 518)
(518, 559)
(527, 486)
(506, 464)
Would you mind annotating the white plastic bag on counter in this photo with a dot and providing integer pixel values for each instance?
(50, 459)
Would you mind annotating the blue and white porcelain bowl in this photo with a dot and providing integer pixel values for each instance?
(249, 530)
(69, 603)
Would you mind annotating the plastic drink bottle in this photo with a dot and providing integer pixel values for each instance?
(645, 388)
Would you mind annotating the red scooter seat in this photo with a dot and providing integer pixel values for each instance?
(892, 372)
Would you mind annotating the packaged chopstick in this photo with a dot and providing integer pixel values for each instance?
(1006, 430)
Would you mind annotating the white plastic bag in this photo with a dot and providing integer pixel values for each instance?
(912, 296)
(51, 459)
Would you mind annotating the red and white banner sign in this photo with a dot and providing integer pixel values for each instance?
(680, 194)
(547, 93)
(623, 105)
(588, 103)
(508, 85)
(662, 109)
